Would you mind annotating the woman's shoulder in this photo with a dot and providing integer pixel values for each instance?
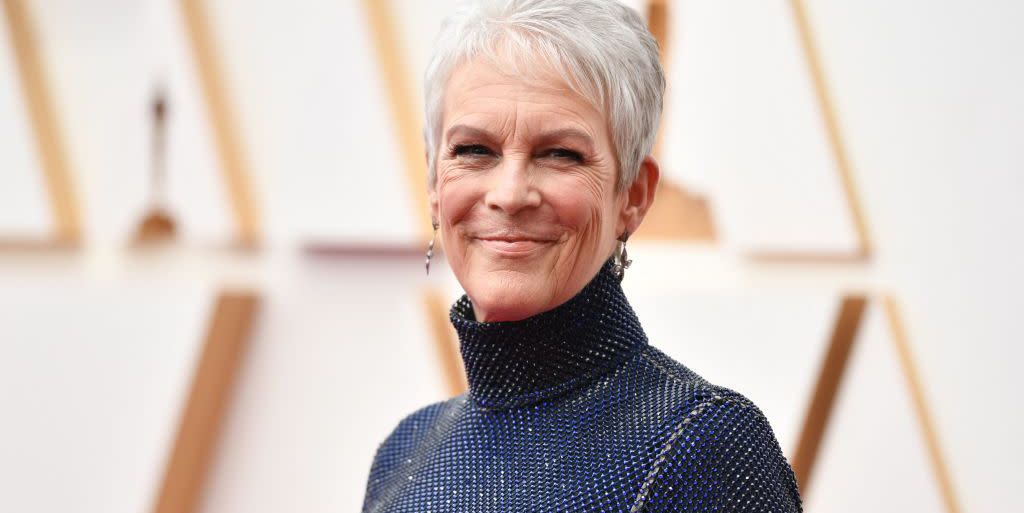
(717, 435)
(685, 389)
(695, 403)
(403, 439)
(407, 434)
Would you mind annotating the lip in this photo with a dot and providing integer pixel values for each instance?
(512, 245)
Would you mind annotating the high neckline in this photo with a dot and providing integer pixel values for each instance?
(515, 363)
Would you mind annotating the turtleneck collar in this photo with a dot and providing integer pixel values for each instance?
(514, 363)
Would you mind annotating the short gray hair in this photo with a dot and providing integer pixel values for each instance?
(601, 47)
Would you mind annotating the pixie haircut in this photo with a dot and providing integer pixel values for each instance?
(601, 49)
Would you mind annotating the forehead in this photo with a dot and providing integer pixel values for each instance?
(483, 92)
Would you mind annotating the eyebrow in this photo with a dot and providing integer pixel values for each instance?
(543, 137)
(470, 131)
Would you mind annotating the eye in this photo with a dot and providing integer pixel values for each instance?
(564, 154)
(471, 150)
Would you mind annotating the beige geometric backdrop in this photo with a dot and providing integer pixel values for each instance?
(212, 225)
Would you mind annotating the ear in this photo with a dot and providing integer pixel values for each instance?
(640, 196)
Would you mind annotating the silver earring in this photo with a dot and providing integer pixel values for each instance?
(430, 247)
(621, 260)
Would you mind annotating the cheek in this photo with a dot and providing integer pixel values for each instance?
(580, 205)
(456, 199)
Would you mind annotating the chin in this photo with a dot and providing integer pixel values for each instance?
(509, 298)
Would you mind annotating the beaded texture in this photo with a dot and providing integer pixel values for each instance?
(572, 410)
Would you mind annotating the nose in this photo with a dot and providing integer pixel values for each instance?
(511, 189)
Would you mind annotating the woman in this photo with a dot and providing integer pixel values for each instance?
(540, 119)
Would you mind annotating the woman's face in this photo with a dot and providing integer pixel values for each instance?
(525, 192)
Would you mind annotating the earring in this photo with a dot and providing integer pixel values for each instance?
(621, 260)
(430, 247)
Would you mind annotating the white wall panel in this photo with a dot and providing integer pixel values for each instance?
(743, 124)
(339, 356)
(93, 377)
(24, 204)
(95, 58)
(933, 113)
(339, 176)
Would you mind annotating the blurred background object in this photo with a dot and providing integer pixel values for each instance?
(840, 205)
(157, 225)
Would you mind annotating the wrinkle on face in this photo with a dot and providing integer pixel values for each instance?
(519, 175)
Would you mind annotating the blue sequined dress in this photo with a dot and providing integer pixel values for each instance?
(572, 410)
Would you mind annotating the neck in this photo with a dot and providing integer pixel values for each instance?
(514, 363)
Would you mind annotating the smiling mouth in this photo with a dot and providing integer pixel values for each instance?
(512, 246)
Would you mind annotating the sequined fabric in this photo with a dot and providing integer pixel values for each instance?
(572, 410)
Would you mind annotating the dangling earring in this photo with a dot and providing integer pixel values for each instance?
(430, 247)
(621, 260)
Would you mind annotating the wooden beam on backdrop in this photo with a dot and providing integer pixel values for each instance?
(210, 392)
(233, 163)
(398, 84)
(924, 418)
(844, 332)
(45, 129)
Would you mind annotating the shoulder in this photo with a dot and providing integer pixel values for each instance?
(403, 439)
(682, 388)
(720, 453)
(413, 426)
